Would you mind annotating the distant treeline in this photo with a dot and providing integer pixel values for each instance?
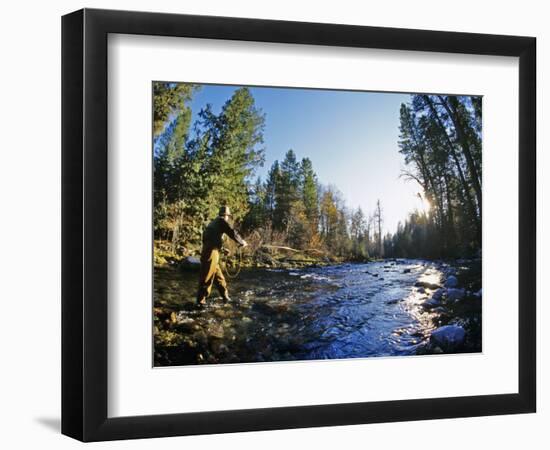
(212, 162)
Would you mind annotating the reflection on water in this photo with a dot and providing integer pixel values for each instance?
(344, 311)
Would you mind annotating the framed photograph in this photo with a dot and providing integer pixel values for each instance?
(273, 224)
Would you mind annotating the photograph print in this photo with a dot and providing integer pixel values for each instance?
(299, 224)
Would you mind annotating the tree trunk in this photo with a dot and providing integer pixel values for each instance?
(461, 135)
(379, 218)
(426, 174)
(450, 229)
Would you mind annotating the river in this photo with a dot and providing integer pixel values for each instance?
(341, 311)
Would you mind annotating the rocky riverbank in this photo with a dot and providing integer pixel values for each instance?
(457, 299)
(382, 308)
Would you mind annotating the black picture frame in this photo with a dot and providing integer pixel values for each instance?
(84, 224)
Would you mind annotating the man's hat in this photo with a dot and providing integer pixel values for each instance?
(224, 211)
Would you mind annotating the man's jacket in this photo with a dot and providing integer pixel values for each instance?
(213, 233)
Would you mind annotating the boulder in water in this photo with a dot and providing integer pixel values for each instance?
(427, 285)
(448, 337)
(215, 330)
(431, 303)
(451, 282)
(191, 263)
(265, 259)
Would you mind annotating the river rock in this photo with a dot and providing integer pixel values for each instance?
(406, 270)
(221, 313)
(427, 285)
(216, 330)
(431, 303)
(183, 323)
(451, 282)
(454, 295)
(264, 308)
(438, 294)
(191, 262)
(448, 337)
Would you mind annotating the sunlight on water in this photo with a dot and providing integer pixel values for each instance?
(428, 282)
(431, 277)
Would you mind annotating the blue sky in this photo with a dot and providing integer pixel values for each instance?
(351, 138)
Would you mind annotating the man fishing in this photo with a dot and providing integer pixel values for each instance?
(212, 241)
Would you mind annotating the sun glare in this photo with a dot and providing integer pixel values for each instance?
(426, 206)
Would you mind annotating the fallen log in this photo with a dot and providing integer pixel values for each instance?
(280, 247)
(290, 249)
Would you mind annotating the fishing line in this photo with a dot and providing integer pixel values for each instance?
(235, 274)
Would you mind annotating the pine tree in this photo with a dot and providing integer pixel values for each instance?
(329, 216)
(168, 166)
(271, 185)
(286, 191)
(309, 192)
(256, 217)
(235, 151)
(358, 235)
(169, 99)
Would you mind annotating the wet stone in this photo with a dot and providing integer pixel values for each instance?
(451, 282)
(221, 313)
(449, 336)
(216, 330)
(427, 285)
(431, 303)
